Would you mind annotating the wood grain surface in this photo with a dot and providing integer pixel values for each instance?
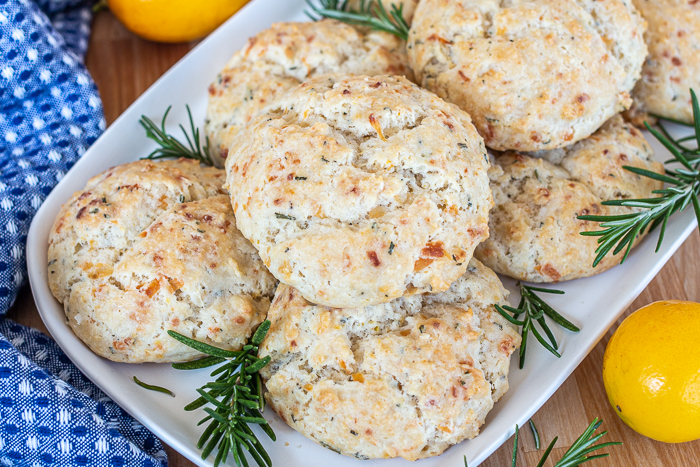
(124, 66)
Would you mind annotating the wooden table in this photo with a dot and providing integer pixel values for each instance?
(124, 67)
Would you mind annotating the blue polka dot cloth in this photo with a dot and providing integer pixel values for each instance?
(52, 415)
(50, 112)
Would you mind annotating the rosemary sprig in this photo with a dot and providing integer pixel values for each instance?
(619, 232)
(578, 453)
(171, 146)
(534, 310)
(236, 397)
(371, 14)
(151, 387)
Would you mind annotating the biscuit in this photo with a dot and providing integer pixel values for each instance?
(283, 56)
(534, 75)
(673, 66)
(407, 378)
(149, 247)
(535, 233)
(409, 7)
(357, 190)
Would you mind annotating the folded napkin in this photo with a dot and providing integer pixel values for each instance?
(50, 112)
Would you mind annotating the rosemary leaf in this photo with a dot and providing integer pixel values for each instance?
(523, 344)
(261, 332)
(535, 434)
(202, 347)
(669, 119)
(213, 401)
(508, 317)
(547, 452)
(548, 332)
(205, 436)
(257, 366)
(696, 112)
(151, 387)
(543, 290)
(196, 364)
(554, 315)
(544, 343)
(650, 174)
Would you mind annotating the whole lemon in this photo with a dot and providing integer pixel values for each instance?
(173, 20)
(651, 371)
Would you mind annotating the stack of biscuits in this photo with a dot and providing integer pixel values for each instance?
(359, 209)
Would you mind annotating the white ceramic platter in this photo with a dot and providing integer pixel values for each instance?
(594, 304)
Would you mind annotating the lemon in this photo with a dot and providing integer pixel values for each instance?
(173, 20)
(651, 371)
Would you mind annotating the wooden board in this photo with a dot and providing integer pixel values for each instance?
(124, 66)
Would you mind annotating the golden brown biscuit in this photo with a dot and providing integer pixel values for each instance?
(535, 233)
(148, 247)
(407, 378)
(283, 56)
(533, 74)
(357, 190)
(673, 65)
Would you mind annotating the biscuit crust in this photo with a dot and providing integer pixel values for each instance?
(535, 233)
(358, 190)
(149, 247)
(673, 65)
(533, 74)
(406, 379)
(280, 58)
